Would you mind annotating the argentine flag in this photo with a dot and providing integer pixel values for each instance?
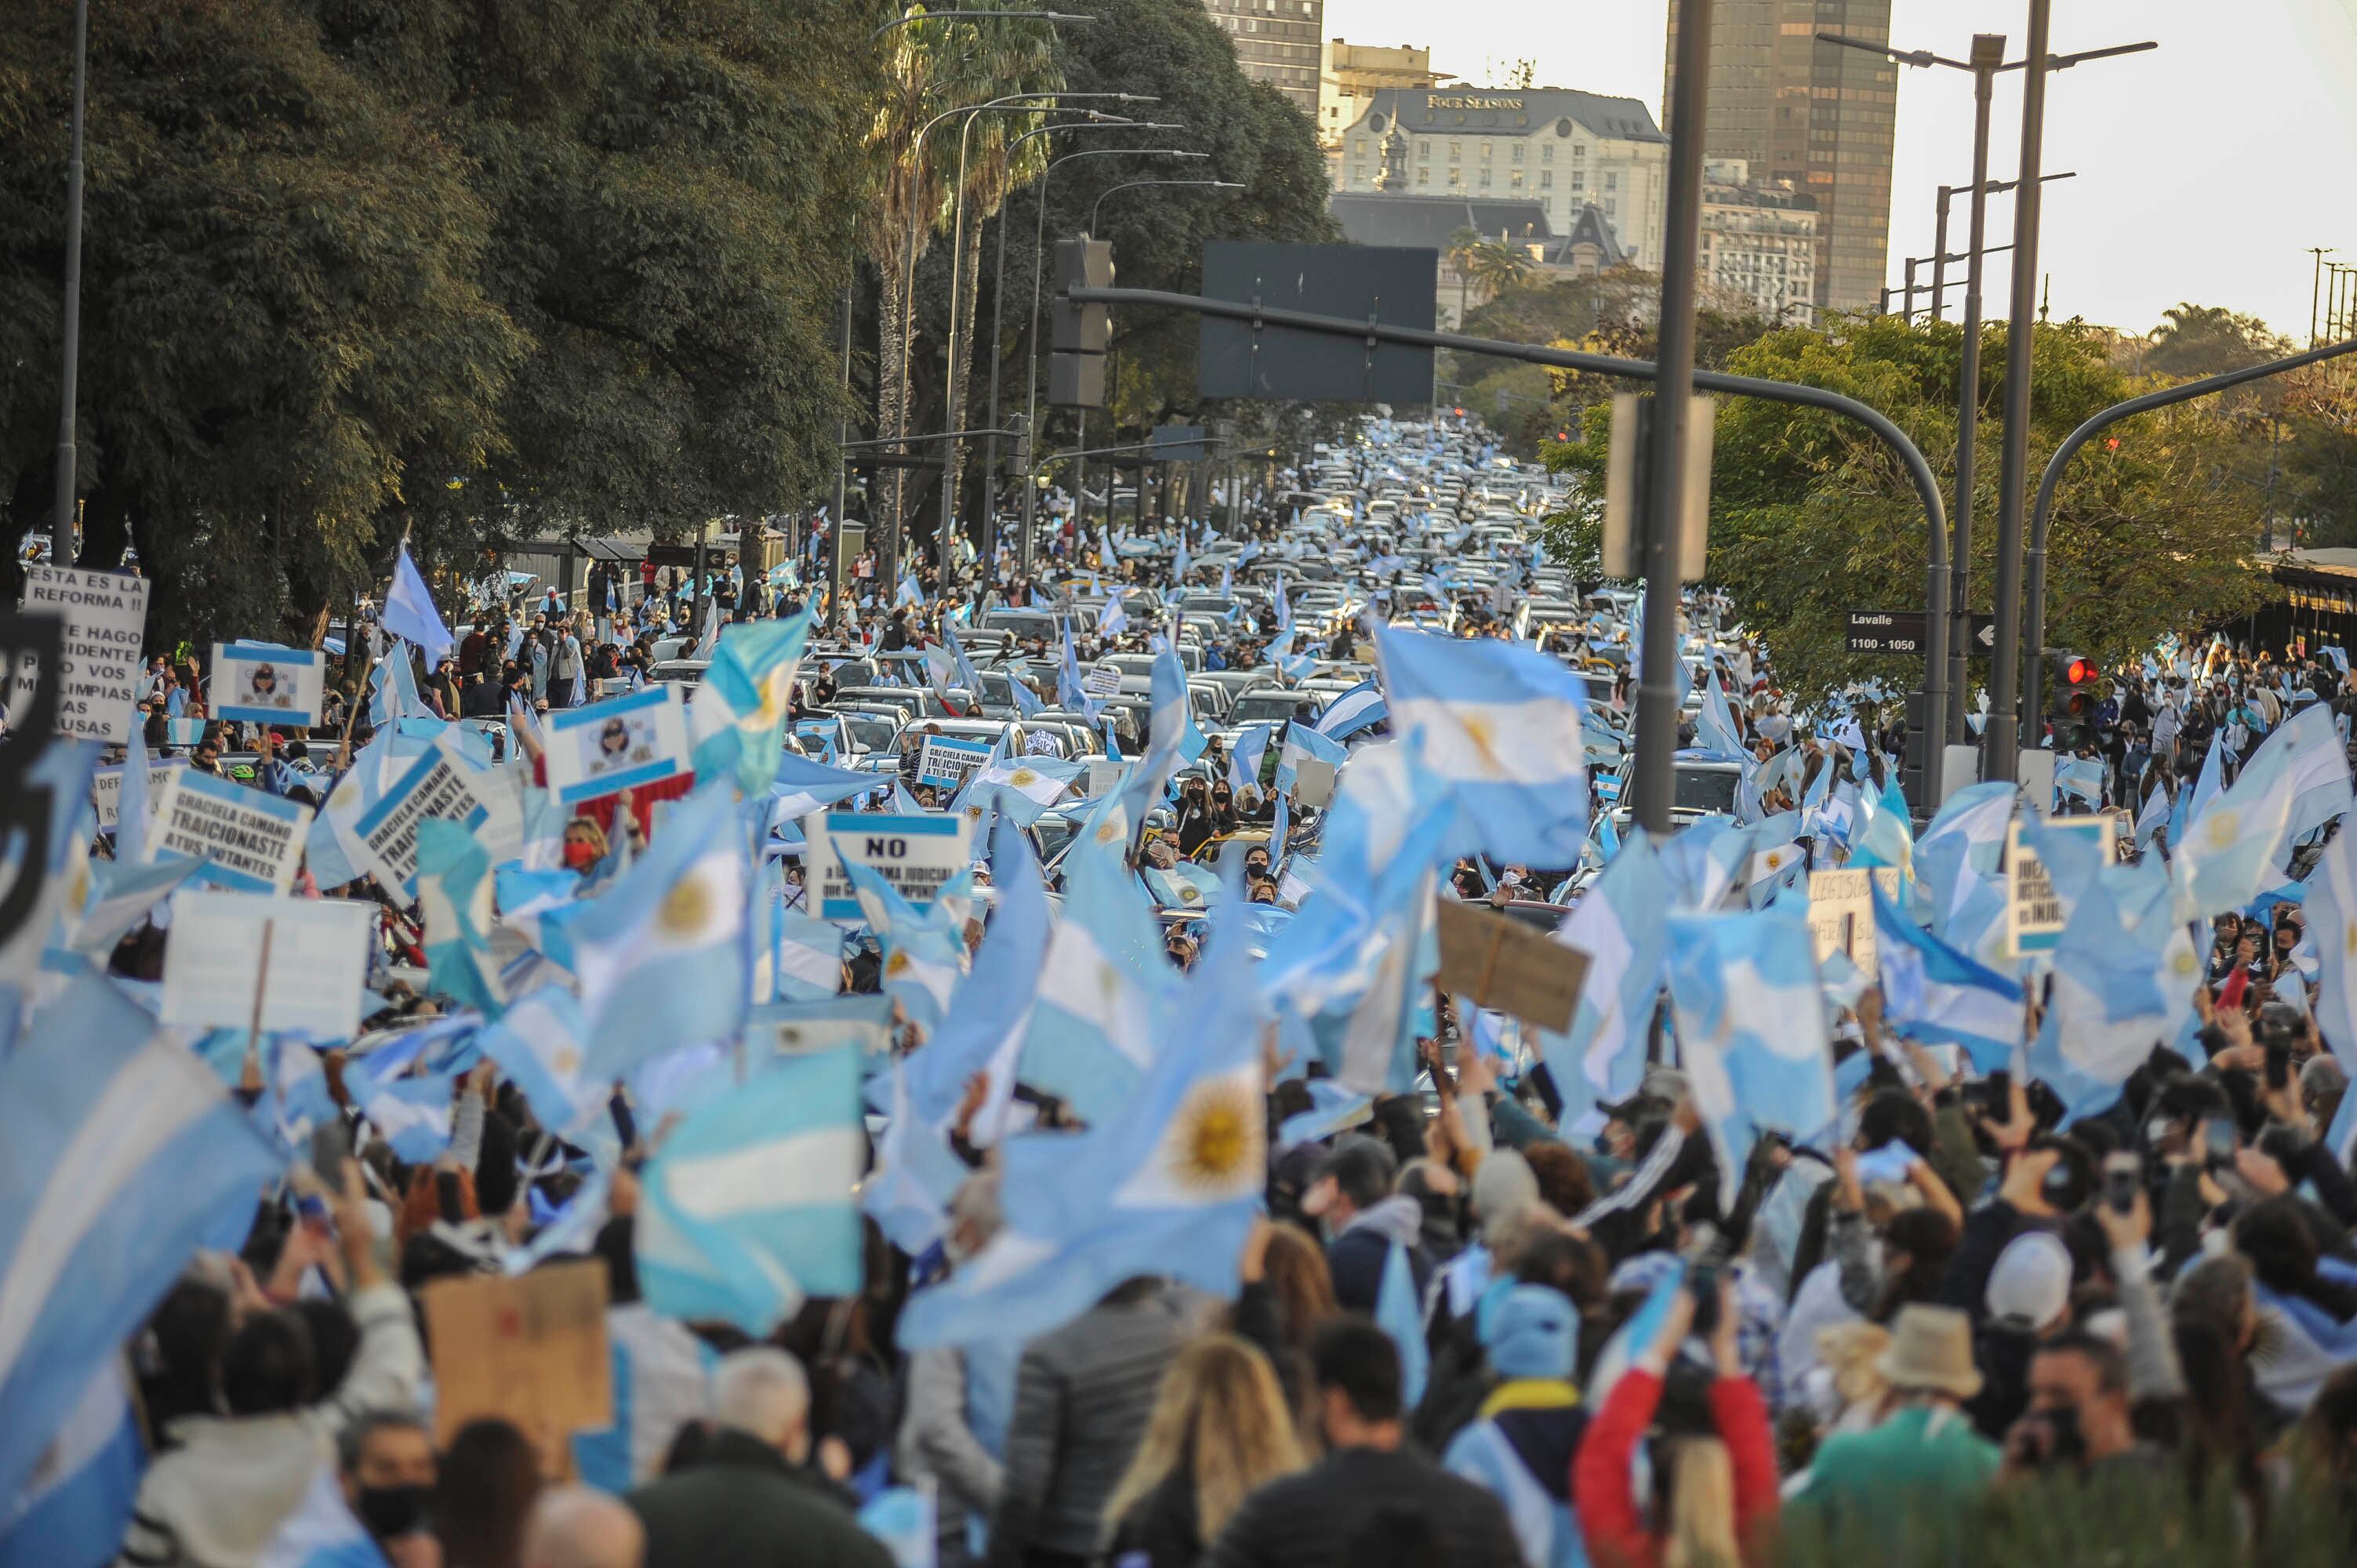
(1092, 1027)
(537, 1047)
(119, 1153)
(454, 897)
(2122, 984)
(1934, 993)
(1620, 923)
(749, 1207)
(1169, 1185)
(924, 954)
(737, 723)
(1501, 725)
(1302, 744)
(1752, 1034)
(663, 954)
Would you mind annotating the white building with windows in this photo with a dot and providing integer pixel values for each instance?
(1761, 241)
(1563, 149)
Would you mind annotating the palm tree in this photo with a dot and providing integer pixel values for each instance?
(1463, 245)
(1498, 266)
(2207, 340)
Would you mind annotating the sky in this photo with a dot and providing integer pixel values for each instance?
(2206, 168)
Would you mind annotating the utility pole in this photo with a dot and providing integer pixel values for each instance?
(62, 547)
(2315, 289)
(1657, 693)
(2000, 756)
(1987, 58)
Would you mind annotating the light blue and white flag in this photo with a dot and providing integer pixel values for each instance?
(2331, 911)
(454, 899)
(749, 1207)
(2318, 766)
(991, 1012)
(119, 1153)
(78, 1504)
(662, 953)
(1092, 1033)
(1752, 1033)
(538, 1046)
(412, 1113)
(907, 1194)
(1502, 725)
(1303, 743)
(1244, 765)
(802, 786)
(924, 951)
(1933, 993)
(120, 894)
(2206, 786)
(1706, 861)
(409, 612)
(1362, 706)
(1716, 731)
(2234, 848)
(807, 965)
(1168, 1186)
(737, 723)
(132, 806)
(2121, 986)
(1399, 1312)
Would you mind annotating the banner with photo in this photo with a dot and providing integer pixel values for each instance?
(617, 745)
(276, 686)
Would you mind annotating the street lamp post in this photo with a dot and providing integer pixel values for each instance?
(1098, 205)
(1031, 345)
(1985, 63)
(61, 528)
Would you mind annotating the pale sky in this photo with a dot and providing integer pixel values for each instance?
(2206, 168)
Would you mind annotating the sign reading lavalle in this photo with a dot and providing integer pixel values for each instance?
(105, 617)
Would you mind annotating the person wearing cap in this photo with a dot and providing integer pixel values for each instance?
(1911, 1479)
(1519, 1449)
(2028, 1300)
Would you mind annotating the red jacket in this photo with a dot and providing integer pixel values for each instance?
(1604, 1497)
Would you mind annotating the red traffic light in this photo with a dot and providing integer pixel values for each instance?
(2079, 669)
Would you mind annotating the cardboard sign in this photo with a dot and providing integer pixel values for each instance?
(317, 962)
(915, 852)
(1102, 681)
(530, 1351)
(1841, 914)
(106, 788)
(437, 784)
(1105, 774)
(105, 618)
(947, 763)
(1506, 966)
(2033, 915)
(276, 687)
(617, 745)
(250, 841)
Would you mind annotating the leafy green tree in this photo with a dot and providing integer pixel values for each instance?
(1812, 517)
(2194, 340)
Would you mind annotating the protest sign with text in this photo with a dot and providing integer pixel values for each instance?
(105, 617)
(106, 788)
(916, 854)
(946, 763)
(1841, 914)
(441, 783)
(250, 841)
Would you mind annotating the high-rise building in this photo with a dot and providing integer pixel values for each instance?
(1816, 117)
(1354, 71)
(1276, 42)
(1760, 241)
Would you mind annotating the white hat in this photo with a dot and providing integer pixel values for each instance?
(2030, 1286)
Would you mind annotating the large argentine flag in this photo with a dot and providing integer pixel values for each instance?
(1751, 1030)
(1502, 725)
(1931, 992)
(119, 1153)
(748, 1208)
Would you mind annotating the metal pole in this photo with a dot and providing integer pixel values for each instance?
(1999, 758)
(998, 352)
(1657, 692)
(2042, 517)
(2316, 290)
(842, 440)
(62, 546)
(1940, 252)
(1988, 53)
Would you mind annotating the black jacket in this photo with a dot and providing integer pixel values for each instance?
(1328, 1514)
(742, 1506)
(1161, 1530)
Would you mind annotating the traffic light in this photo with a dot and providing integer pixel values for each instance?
(2071, 700)
(1080, 334)
(1018, 449)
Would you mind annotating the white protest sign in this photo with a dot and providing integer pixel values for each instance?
(106, 788)
(440, 783)
(617, 745)
(319, 951)
(269, 686)
(1841, 914)
(946, 763)
(2033, 915)
(251, 841)
(1102, 681)
(105, 618)
(916, 854)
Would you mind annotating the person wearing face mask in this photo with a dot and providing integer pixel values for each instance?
(2080, 1419)
(585, 846)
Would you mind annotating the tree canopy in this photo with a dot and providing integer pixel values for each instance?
(1811, 515)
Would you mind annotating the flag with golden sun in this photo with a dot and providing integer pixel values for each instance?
(1166, 1186)
(737, 723)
